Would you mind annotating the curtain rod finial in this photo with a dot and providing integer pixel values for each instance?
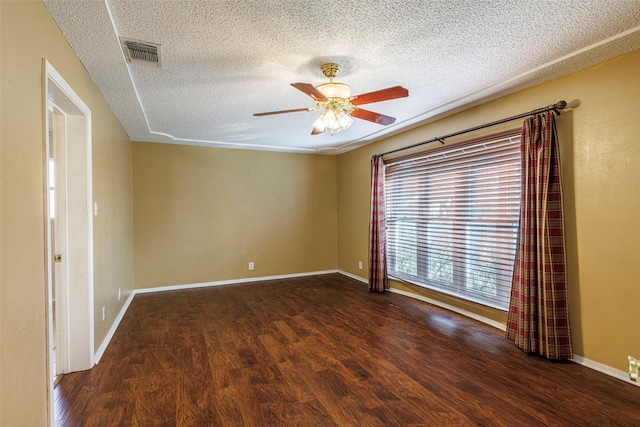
(561, 105)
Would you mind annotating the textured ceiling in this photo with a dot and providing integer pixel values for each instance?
(222, 61)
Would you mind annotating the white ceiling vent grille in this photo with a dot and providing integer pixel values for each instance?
(139, 52)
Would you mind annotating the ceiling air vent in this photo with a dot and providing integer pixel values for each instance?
(139, 52)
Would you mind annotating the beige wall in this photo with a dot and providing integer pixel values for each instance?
(113, 226)
(600, 158)
(29, 34)
(202, 214)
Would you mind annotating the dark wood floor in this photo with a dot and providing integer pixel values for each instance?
(322, 351)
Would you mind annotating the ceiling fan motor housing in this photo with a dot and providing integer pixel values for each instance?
(330, 70)
(332, 89)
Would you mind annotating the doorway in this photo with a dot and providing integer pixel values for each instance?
(69, 229)
(57, 223)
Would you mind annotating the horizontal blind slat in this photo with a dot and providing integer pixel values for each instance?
(452, 219)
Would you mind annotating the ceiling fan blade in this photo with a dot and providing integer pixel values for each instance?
(295, 110)
(380, 95)
(310, 90)
(380, 119)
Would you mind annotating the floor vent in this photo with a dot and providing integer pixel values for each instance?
(139, 52)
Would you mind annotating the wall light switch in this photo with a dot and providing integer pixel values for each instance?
(104, 312)
(251, 266)
(360, 265)
(95, 208)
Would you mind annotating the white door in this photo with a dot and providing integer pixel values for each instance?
(57, 178)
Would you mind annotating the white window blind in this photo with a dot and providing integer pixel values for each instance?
(452, 218)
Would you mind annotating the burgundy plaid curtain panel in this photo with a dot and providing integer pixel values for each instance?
(538, 320)
(378, 280)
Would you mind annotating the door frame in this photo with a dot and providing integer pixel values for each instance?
(78, 292)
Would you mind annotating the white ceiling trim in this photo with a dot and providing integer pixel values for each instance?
(189, 140)
(452, 106)
(224, 59)
(470, 100)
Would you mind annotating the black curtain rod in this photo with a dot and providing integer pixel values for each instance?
(557, 107)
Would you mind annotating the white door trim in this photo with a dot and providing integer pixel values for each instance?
(79, 293)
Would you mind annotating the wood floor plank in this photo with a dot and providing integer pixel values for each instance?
(322, 351)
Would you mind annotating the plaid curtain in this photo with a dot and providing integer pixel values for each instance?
(378, 280)
(538, 320)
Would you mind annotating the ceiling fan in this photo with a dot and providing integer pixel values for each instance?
(339, 105)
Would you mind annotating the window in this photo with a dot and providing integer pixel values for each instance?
(452, 218)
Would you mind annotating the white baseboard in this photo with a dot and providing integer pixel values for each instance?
(453, 308)
(605, 369)
(229, 282)
(98, 354)
(353, 276)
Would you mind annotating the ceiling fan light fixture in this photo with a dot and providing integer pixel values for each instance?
(320, 125)
(335, 120)
(334, 90)
(344, 120)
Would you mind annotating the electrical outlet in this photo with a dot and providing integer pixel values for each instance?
(119, 294)
(360, 265)
(104, 312)
(251, 266)
(633, 368)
